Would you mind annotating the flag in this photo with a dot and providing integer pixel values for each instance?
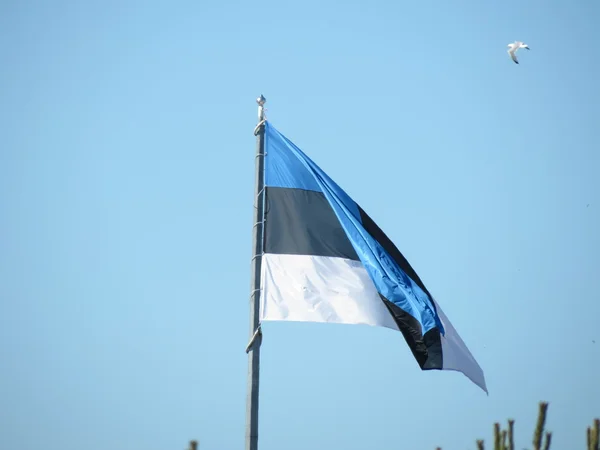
(325, 260)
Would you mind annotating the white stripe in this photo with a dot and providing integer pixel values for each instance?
(456, 354)
(306, 288)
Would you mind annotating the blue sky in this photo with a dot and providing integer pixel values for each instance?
(126, 177)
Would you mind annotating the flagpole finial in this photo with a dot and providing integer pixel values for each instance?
(261, 103)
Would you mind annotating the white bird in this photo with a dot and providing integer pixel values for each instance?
(512, 49)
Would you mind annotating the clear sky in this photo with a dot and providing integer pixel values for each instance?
(126, 190)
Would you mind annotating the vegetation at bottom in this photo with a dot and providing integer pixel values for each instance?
(503, 439)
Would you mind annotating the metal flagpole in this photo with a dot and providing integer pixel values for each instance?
(253, 348)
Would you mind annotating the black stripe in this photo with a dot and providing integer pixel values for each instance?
(427, 349)
(300, 222)
(389, 246)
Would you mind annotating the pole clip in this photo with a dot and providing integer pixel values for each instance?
(257, 334)
(257, 128)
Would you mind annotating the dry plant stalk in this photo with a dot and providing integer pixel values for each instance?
(511, 439)
(539, 429)
(593, 435)
(497, 436)
(548, 440)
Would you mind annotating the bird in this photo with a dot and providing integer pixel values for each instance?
(512, 49)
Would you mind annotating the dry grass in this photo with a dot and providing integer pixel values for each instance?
(503, 439)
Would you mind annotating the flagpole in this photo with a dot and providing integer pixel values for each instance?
(253, 348)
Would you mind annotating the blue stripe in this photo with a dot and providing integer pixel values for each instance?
(284, 163)
(287, 166)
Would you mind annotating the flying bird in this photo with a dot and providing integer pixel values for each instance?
(512, 49)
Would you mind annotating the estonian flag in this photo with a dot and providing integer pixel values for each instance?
(325, 260)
